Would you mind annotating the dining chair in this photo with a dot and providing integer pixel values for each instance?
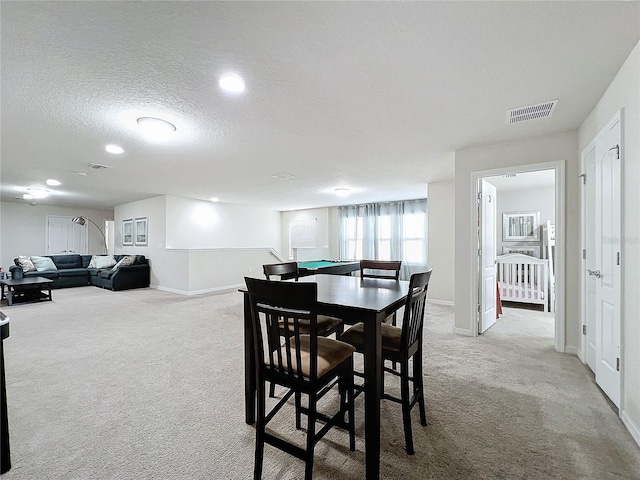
(372, 269)
(303, 363)
(401, 344)
(326, 325)
(285, 271)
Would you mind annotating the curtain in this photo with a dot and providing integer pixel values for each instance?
(385, 231)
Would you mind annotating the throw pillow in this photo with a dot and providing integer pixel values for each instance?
(124, 261)
(43, 263)
(104, 261)
(92, 263)
(26, 264)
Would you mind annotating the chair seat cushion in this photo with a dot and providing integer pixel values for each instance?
(331, 353)
(390, 336)
(325, 324)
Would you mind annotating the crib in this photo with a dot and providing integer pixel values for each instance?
(522, 278)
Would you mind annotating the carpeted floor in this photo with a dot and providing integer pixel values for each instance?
(144, 384)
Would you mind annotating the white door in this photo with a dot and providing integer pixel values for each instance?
(589, 260)
(64, 236)
(607, 261)
(487, 254)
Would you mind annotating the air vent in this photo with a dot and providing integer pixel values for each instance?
(98, 166)
(532, 112)
(283, 176)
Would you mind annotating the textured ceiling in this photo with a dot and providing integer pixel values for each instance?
(375, 96)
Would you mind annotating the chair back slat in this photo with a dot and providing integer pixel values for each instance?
(277, 310)
(372, 268)
(285, 271)
(413, 321)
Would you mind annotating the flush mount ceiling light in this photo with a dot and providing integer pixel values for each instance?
(342, 191)
(116, 149)
(283, 176)
(215, 199)
(231, 83)
(37, 192)
(156, 128)
(52, 182)
(28, 196)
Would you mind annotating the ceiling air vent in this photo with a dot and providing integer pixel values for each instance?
(98, 166)
(532, 112)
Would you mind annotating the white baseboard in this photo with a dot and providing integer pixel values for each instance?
(463, 331)
(634, 430)
(448, 303)
(571, 350)
(197, 292)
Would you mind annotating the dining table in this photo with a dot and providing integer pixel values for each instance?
(352, 299)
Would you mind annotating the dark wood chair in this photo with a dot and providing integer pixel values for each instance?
(400, 344)
(285, 271)
(303, 363)
(372, 268)
(326, 325)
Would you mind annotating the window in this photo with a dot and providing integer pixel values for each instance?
(385, 231)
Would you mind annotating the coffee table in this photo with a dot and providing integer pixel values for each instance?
(30, 289)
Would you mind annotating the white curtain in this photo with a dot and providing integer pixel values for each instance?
(385, 231)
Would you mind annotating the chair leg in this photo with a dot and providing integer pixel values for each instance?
(272, 390)
(260, 428)
(347, 403)
(311, 440)
(418, 385)
(298, 402)
(406, 406)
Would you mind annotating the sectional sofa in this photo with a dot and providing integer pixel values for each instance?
(74, 270)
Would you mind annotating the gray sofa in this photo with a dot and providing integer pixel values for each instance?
(73, 271)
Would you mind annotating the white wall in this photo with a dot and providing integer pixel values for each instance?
(549, 148)
(197, 224)
(24, 229)
(441, 251)
(196, 246)
(541, 200)
(624, 92)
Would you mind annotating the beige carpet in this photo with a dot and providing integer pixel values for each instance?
(144, 384)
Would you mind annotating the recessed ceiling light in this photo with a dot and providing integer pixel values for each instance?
(115, 149)
(215, 199)
(28, 196)
(156, 128)
(53, 182)
(232, 83)
(38, 192)
(342, 191)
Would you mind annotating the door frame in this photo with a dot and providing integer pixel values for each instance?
(559, 167)
(618, 117)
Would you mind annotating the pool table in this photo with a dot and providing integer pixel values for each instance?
(327, 266)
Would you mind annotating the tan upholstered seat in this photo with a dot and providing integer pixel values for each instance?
(331, 353)
(390, 336)
(326, 325)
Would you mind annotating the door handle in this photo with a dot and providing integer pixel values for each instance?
(595, 273)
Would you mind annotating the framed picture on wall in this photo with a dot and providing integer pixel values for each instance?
(140, 231)
(532, 251)
(127, 232)
(520, 226)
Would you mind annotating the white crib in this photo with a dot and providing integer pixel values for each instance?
(522, 278)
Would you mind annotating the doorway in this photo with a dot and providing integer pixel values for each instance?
(522, 256)
(557, 171)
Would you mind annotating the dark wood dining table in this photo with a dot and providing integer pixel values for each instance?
(353, 300)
